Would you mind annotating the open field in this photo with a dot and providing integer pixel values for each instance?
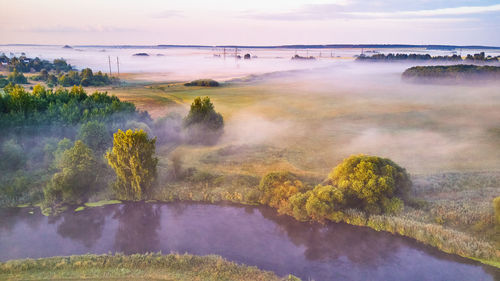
(307, 122)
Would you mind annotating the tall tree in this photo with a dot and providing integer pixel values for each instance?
(133, 160)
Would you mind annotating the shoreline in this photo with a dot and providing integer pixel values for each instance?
(390, 224)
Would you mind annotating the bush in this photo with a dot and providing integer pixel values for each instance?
(370, 182)
(271, 184)
(203, 83)
(133, 160)
(325, 202)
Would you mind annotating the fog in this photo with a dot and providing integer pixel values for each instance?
(321, 115)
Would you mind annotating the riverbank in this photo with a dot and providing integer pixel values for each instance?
(134, 267)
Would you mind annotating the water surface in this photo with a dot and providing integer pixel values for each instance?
(250, 235)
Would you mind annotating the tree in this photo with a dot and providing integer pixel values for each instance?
(204, 124)
(277, 187)
(133, 160)
(12, 156)
(76, 177)
(95, 135)
(371, 182)
(325, 202)
(17, 77)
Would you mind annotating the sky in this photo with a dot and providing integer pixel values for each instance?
(250, 22)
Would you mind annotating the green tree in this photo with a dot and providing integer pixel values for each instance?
(133, 160)
(204, 124)
(76, 178)
(95, 136)
(12, 156)
(17, 77)
(370, 182)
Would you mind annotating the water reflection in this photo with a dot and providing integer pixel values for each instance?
(138, 226)
(84, 227)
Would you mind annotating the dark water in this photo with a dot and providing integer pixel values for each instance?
(250, 235)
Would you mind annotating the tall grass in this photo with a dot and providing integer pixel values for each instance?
(133, 267)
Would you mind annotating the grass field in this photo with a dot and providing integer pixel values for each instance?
(170, 267)
(307, 122)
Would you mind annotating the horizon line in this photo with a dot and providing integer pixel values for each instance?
(288, 46)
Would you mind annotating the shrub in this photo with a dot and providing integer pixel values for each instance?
(370, 182)
(271, 184)
(325, 202)
(203, 83)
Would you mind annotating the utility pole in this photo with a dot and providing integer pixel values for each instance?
(109, 61)
(118, 66)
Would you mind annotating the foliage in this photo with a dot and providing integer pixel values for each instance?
(12, 156)
(325, 202)
(25, 64)
(370, 182)
(62, 106)
(203, 123)
(17, 77)
(133, 160)
(203, 83)
(84, 78)
(76, 177)
(420, 57)
(452, 73)
(95, 135)
(134, 267)
(277, 187)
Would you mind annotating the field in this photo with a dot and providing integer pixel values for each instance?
(447, 137)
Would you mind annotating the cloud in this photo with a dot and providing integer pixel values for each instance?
(344, 11)
(466, 10)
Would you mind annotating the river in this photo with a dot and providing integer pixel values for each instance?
(245, 234)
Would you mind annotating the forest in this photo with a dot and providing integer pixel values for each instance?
(477, 58)
(455, 73)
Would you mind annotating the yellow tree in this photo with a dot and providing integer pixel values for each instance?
(133, 160)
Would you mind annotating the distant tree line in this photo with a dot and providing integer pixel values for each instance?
(25, 64)
(55, 73)
(481, 57)
(450, 73)
(83, 78)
